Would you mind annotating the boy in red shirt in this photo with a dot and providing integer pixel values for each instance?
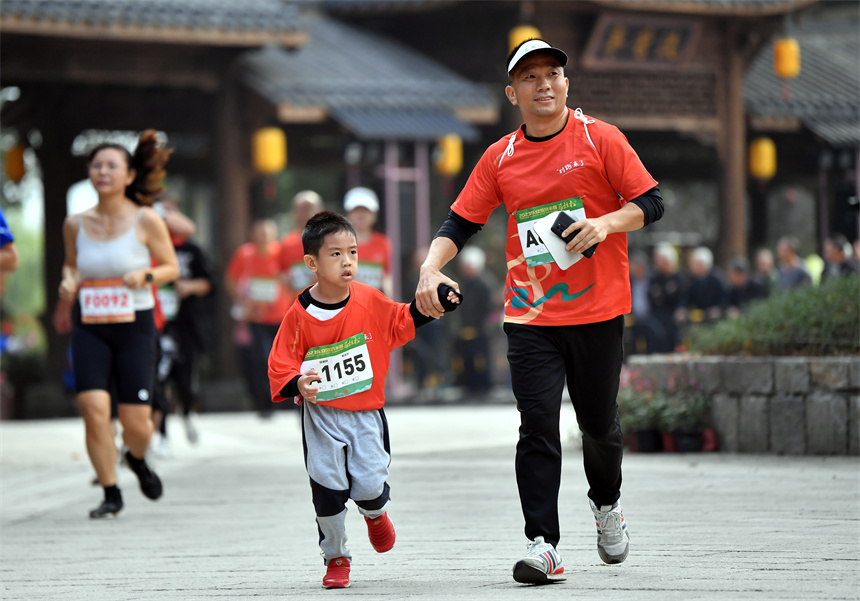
(332, 350)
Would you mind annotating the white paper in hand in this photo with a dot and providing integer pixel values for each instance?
(553, 243)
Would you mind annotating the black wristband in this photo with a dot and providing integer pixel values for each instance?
(148, 277)
(443, 290)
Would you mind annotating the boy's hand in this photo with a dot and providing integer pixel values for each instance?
(449, 297)
(307, 385)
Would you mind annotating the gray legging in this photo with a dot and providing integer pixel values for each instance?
(347, 456)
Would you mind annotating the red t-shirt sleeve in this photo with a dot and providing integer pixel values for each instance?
(284, 360)
(481, 194)
(624, 168)
(393, 319)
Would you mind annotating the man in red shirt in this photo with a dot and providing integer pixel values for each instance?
(374, 248)
(253, 281)
(306, 204)
(561, 324)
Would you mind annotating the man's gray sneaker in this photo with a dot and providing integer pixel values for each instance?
(613, 542)
(541, 564)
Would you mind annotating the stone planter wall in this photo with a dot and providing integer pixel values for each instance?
(782, 405)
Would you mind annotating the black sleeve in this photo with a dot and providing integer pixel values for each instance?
(291, 389)
(458, 229)
(651, 204)
(419, 318)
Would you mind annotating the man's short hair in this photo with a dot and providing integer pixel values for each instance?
(841, 242)
(321, 225)
(308, 196)
(739, 264)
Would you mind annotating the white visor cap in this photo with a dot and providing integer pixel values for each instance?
(361, 197)
(536, 46)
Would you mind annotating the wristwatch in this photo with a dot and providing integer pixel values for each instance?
(148, 277)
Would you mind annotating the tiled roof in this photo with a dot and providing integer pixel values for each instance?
(342, 68)
(747, 8)
(224, 22)
(826, 93)
(381, 6)
(402, 124)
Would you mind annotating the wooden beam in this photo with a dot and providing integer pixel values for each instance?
(142, 33)
(292, 113)
(683, 124)
(479, 115)
(732, 147)
(234, 202)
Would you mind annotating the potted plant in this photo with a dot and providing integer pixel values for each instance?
(639, 411)
(685, 415)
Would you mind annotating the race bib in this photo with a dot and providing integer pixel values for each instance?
(105, 301)
(263, 290)
(370, 274)
(535, 251)
(169, 300)
(344, 368)
(300, 277)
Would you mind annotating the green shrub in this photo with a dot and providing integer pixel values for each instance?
(807, 321)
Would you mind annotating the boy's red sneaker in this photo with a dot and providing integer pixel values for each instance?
(381, 532)
(337, 573)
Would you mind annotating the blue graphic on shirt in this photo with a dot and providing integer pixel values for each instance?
(521, 295)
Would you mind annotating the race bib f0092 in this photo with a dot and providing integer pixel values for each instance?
(534, 249)
(344, 368)
(105, 301)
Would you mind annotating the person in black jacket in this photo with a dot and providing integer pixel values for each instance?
(186, 304)
(706, 294)
(837, 254)
(742, 288)
(665, 290)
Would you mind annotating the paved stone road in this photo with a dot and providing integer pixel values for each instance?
(236, 521)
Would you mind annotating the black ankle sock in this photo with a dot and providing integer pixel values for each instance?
(112, 493)
(133, 462)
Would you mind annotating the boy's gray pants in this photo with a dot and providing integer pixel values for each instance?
(347, 454)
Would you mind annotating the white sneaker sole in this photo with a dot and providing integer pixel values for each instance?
(528, 574)
(613, 559)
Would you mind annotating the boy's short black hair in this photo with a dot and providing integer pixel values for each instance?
(321, 225)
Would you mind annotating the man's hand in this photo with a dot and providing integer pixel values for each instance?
(426, 295)
(591, 231)
(308, 385)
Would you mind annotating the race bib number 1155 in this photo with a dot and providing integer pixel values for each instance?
(344, 368)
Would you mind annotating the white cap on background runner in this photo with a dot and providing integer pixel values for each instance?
(361, 197)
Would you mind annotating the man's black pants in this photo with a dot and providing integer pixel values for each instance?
(541, 358)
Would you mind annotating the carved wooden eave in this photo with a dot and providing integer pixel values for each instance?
(139, 33)
(715, 9)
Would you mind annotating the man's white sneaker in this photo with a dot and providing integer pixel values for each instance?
(613, 542)
(541, 564)
(190, 429)
(162, 448)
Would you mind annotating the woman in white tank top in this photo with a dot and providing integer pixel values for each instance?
(108, 271)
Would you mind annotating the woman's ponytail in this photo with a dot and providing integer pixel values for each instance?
(149, 160)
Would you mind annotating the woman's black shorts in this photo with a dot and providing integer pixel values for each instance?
(118, 353)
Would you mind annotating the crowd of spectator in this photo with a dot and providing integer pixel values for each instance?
(666, 298)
